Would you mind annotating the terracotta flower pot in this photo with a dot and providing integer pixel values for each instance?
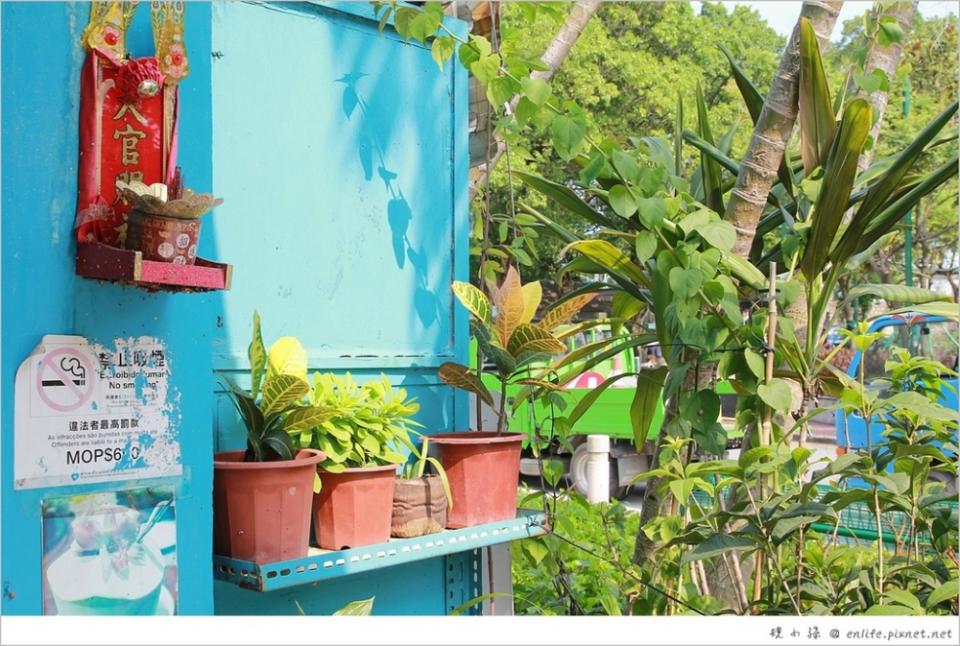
(484, 471)
(261, 510)
(353, 507)
(419, 507)
(163, 239)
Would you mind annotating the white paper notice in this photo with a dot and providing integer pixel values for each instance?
(87, 413)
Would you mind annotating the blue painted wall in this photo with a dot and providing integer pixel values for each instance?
(356, 142)
(341, 154)
(42, 57)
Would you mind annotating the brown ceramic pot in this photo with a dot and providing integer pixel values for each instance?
(353, 507)
(261, 510)
(484, 471)
(419, 507)
(163, 239)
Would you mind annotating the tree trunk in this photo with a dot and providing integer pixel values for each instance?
(774, 127)
(885, 59)
(553, 57)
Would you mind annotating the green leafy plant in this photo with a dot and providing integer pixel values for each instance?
(366, 425)
(272, 410)
(417, 469)
(507, 336)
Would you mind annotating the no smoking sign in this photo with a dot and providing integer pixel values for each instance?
(65, 380)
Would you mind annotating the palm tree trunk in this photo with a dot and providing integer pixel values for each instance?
(774, 127)
(886, 59)
(553, 57)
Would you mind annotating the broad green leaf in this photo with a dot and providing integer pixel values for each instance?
(755, 362)
(890, 31)
(536, 89)
(509, 302)
(646, 396)
(531, 338)
(458, 376)
(287, 357)
(715, 545)
(651, 211)
(817, 120)
(904, 598)
(468, 54)
(943, 593)
(280, 392)
(258, 357)
(568, 131)
(870, 83)
(685, 283)
(442, 49)
(916, 403)
(563, 312)
(486, 68)
(363, 607)
(552, 471)
(719, 233)
(622, 201)
(474, 300)
(897, 293)
(645, 245)
(626, 164)
(776, 395)
(500, 89)
(841, 168)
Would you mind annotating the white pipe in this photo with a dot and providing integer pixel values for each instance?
(598, 468)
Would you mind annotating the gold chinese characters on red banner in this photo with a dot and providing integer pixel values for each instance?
(128, 114)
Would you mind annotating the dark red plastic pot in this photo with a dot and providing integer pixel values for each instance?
(261, 510)
(484, 472)
(353, 508)
(163, 239)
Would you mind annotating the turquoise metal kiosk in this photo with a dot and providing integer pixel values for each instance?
(341, 154)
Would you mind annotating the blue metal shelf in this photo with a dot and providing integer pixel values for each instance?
(321, 565)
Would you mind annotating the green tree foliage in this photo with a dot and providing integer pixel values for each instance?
(625, 73)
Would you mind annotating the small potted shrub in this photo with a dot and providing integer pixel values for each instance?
(362, 441)
(483, 467)
(262, 496)
(420, 501)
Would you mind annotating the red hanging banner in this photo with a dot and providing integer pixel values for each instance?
(128, 115)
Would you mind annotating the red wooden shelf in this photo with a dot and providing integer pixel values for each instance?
(103, 262)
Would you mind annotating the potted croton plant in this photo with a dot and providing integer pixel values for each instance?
(483, 466)
(262, 496)
(362, 441)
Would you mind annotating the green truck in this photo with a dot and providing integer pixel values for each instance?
(609, 415)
